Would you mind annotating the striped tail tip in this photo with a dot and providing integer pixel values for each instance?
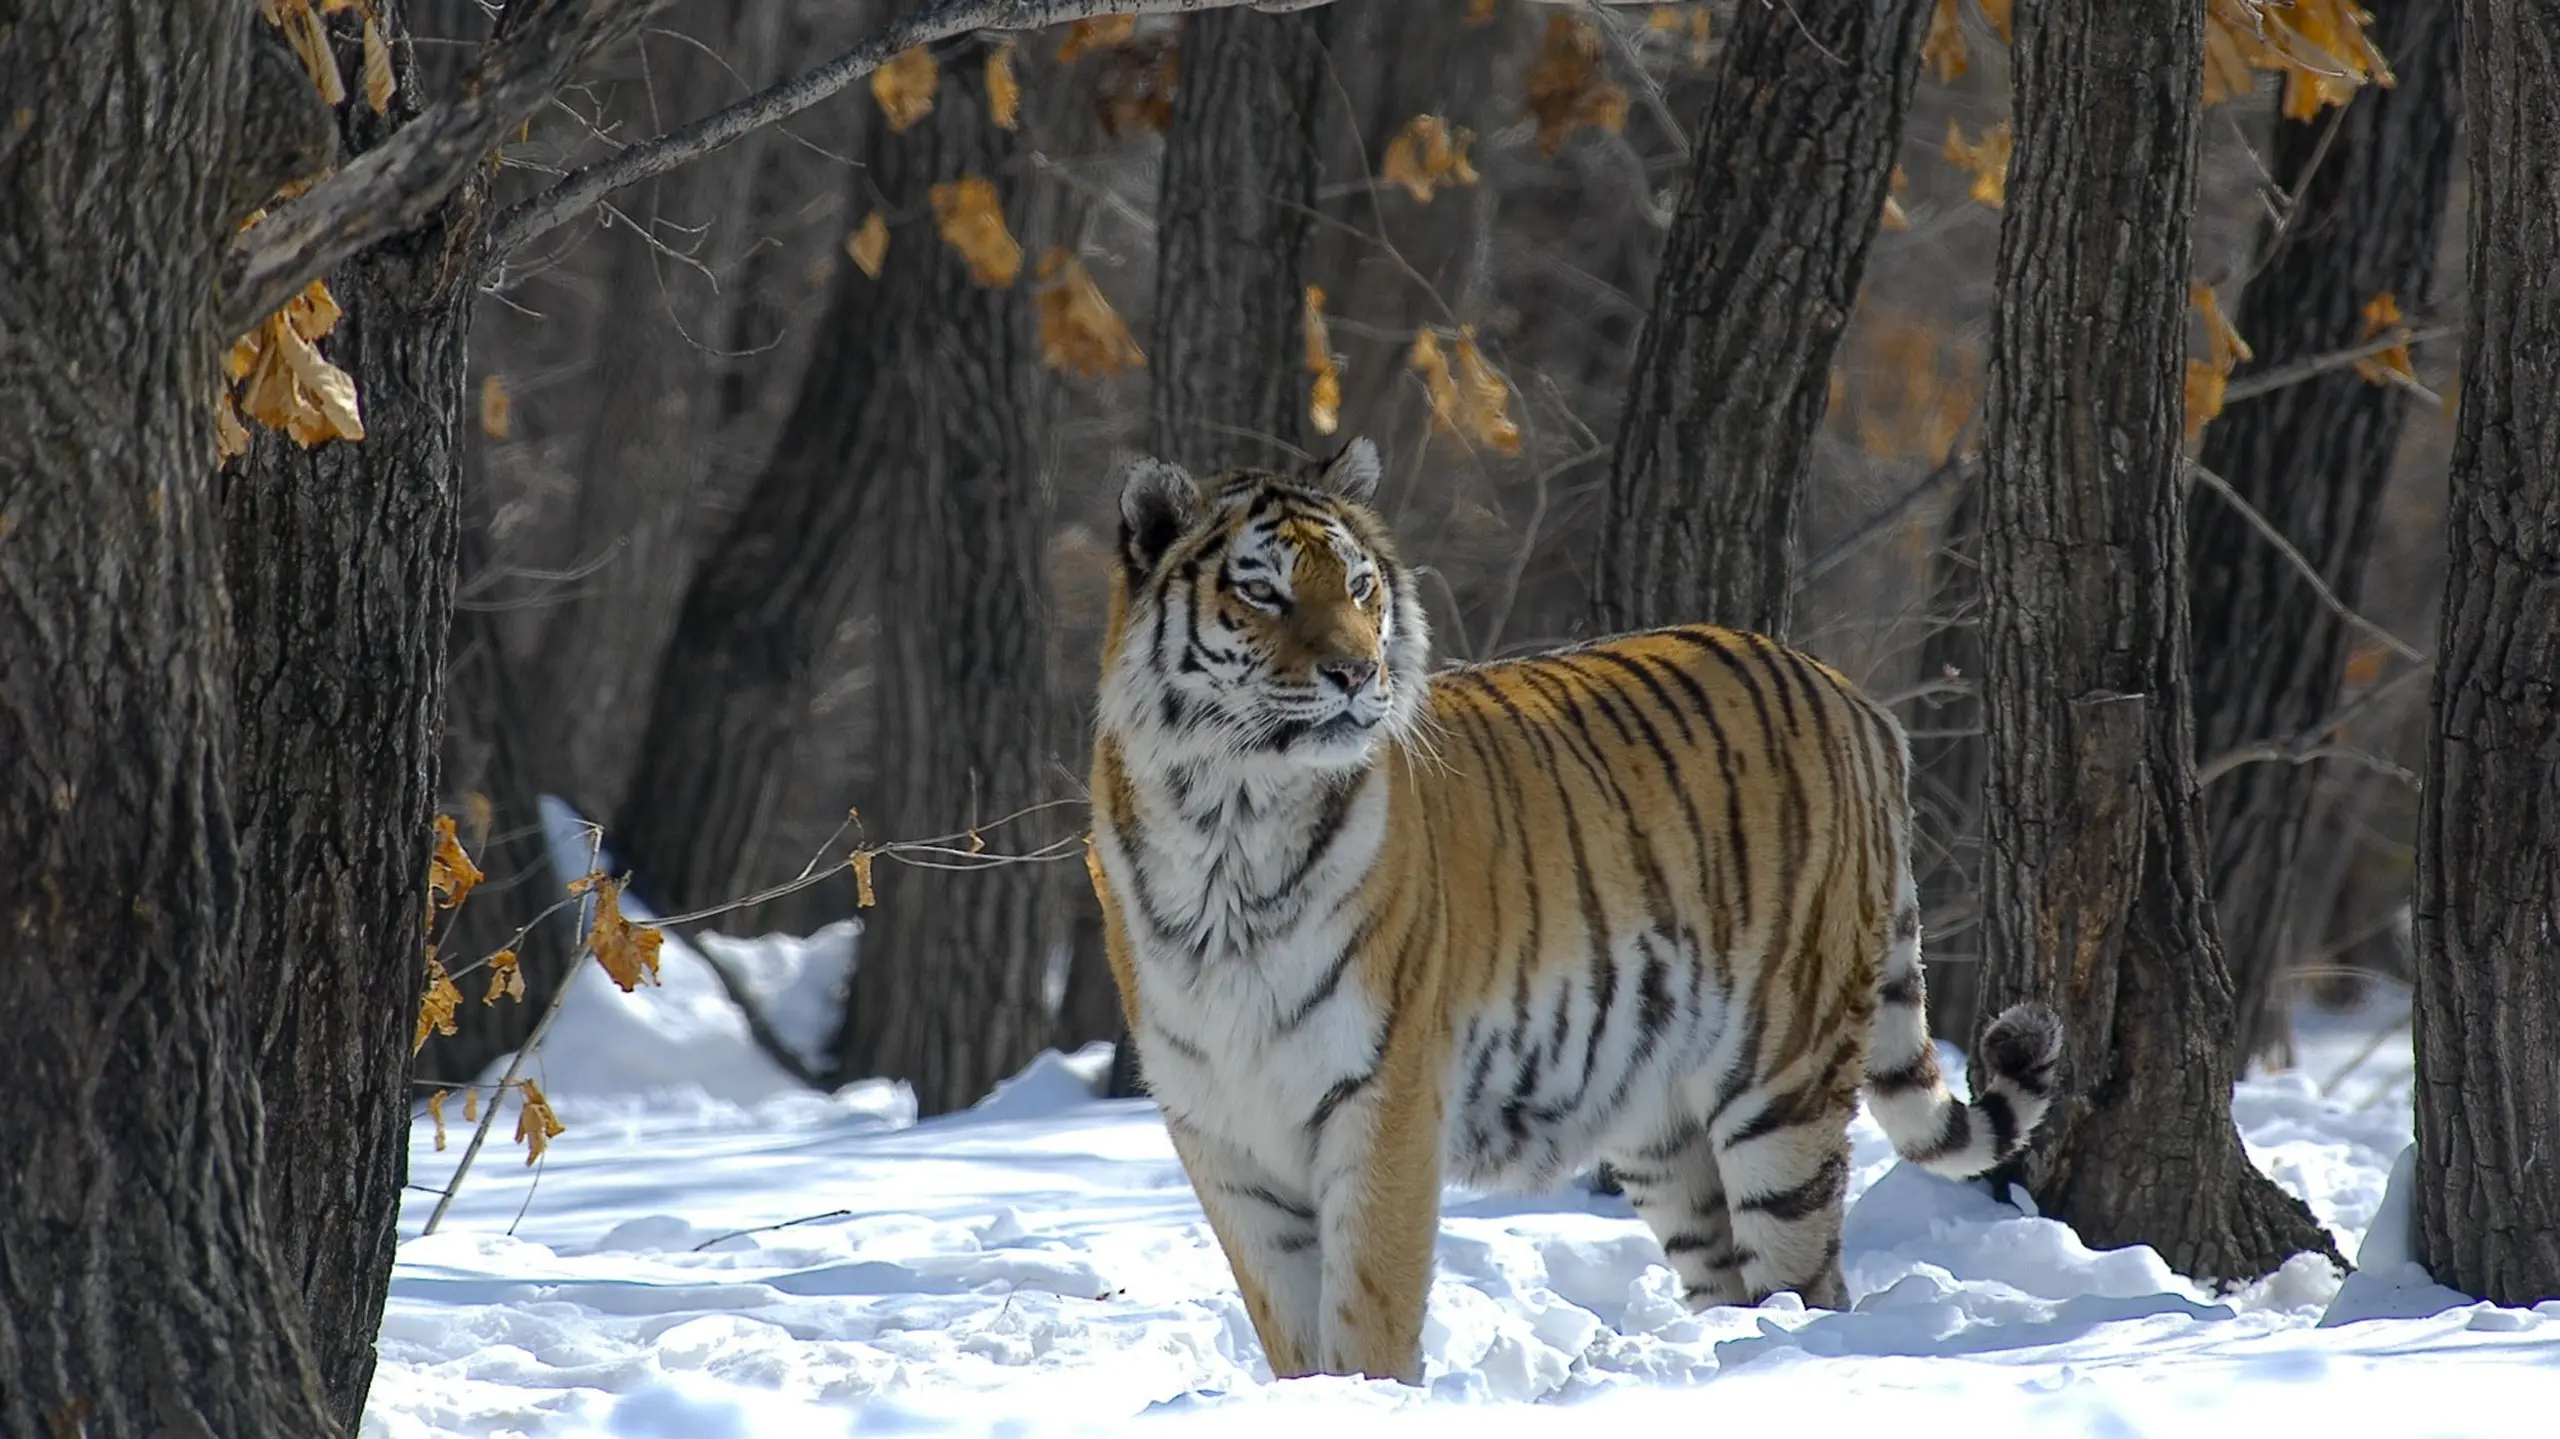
(2013, 1069)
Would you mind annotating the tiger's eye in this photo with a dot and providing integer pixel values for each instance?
(1364, 589)
(1256, 592)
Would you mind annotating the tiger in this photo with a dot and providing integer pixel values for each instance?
(1644, 902)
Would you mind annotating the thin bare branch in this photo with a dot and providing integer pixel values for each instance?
(2229, 760)
(2282, 376)
(1876, 524)
(583, 187)
(2310, 573)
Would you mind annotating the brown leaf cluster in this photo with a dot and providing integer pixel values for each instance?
(864, 896)
(1324, 369)
(1894, 218)
(1569, 87)
(2319, 46)
(536, 1125)
(506, 978)
(1479, 14)
(1910, 387)
(1986, 160)
(869, 244)
(279, 378)
(435, 1111)
(626, 951)
(1428, 153)
(1467, 398)
(1945, 50)
(451, 875)
(1667, 20)
(435, 1005)
(970, 215)
(497, 419)
(905, 87)
(2392, 366)
(1079, 330)
(1004, 92)
(305, 29)
(1137, 87)
(2208, 378)
(1093, 36)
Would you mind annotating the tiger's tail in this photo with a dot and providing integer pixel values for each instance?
(2012, 1070)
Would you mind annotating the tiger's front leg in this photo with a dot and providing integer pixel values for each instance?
(1378, 1207)
(1267, 1226)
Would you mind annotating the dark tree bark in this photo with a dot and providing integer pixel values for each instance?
(948, 994)
(2313, 459)
(2488, 1000)
(1793, 156)
(141, 1285)
(2094, 891)
(340, 570)
(1233, 216)
(1946, 771)
(644, 459)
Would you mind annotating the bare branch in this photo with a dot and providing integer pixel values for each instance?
(2310, 573)
(1873, 525)
(2317, 365)
(396, 186)
(2229, 760)
(579, 191)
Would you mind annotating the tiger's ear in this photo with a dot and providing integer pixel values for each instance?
(1353, 474)
(1158, 501)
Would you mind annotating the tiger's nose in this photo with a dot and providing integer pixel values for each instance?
(1348, 675)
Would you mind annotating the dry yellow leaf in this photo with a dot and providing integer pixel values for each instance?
(377, 68)
(1079, 330)
(2319, 46)
(1698, 36)
(1427, 360)
(477, 808)
(1428, 153)
(289, 386)
(471, 1106)
(971, 219)
(313, 313)
(869, 244)
(2205, 385)
(626, 951)
(863, 895)
(1324, 389)
(1569, 88)
(904, 87)
(1912, 385)
(309, 38)
(1987, 160)
(2382, 316)
(450, 872)
(536, 1125)
(1004, 92)
(1086, 36)
(1136, 90)
(2364, 665)
(435, 1111)
(497, 411)
(1894, 218)
(230, 437)
(436, 1005)
(1479, 13)
(506, 978)
(2221, 339)
(1997, 12)
(1944, 51)
(1487, 398)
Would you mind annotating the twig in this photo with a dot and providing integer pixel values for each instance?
(760, 1027)
(2273, 753)
(769, 1228)
(1955, 464)
(941, 20)
(2310, 573)
(2248, 386)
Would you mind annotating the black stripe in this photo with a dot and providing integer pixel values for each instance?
(1176, 1043)
(1955, 1132)
(1919, 1075)
(1297, 1241)
(2003, 1118)
(1904, 989)
(1326, 987)
(1334, 1098)
(1303, 1213)
(1828, 1182)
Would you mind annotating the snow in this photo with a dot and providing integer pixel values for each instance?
(712, 1251)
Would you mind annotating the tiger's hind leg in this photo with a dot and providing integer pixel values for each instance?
(1784, 1158)
(1678, 1191)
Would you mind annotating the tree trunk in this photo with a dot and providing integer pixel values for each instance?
(1233, 216)
(2488, 964)
(948, 994)
(2094, 892)
(340, 568)
(1946, 771)
(644, 460)
(1793, 156)
(144, 1291)
(2313, 458)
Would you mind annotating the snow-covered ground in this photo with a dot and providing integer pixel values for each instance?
(710, 1251)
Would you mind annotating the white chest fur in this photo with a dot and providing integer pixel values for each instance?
(1239, 896)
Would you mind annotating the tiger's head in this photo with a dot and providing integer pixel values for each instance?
(1261, 618)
